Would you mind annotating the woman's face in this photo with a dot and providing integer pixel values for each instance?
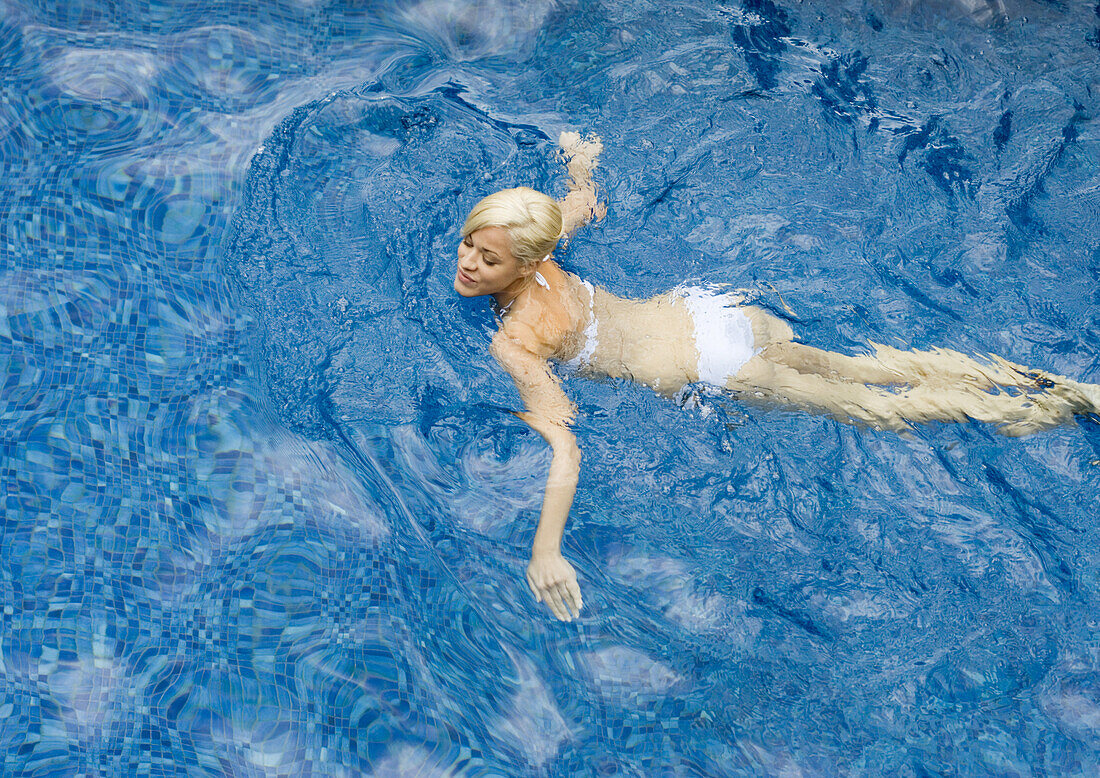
(486, 264)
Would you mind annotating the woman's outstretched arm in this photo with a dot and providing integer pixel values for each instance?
(549, 412)
(580, 205)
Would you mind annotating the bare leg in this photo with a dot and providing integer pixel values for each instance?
(944, 366)
(829, 364)
(1016, 410)
(768, 383)
(893, 389)
(890, 366)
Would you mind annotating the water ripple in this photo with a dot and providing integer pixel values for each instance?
(266, 508)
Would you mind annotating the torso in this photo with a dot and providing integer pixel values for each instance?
(648, 341)
(651, 342)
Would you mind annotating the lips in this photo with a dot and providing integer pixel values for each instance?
(465, 278)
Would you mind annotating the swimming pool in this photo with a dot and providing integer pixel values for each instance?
(267, 512)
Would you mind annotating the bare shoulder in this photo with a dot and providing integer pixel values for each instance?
(517, 332)
(540, 326)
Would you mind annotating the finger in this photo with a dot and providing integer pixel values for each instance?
(575, 593)
(569, 601)
(553, 599)
(571, 604)
(534, 589)
(565, 604)
(550, 597)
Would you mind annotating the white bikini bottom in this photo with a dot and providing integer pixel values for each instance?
(723, 335)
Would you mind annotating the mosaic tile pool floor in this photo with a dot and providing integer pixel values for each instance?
(266, 511)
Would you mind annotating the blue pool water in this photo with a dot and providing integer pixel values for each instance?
(266, 511)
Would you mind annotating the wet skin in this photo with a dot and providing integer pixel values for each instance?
(653, 342)
(486, 266)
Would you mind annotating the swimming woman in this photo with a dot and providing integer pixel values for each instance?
(694, 335)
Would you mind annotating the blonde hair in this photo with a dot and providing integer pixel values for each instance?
(531, 219)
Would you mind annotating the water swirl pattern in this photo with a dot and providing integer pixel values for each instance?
(266, 509)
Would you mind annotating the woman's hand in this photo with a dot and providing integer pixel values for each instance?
(553, 581)
(581, 155)
(580, 205)
(551, 578)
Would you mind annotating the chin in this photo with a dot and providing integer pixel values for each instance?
(464, 290)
